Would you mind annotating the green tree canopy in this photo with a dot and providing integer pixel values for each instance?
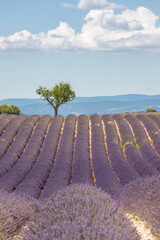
(151, 110)
(5, 109)
(61, 93)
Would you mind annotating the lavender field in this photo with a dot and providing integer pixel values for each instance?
(100, 166)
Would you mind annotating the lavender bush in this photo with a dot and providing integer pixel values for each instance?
(132, 153)
(146, 150)
(14, 177)
(17, 147)
(37, 177)
(152, 129)
(104, 174)
(155, 118)
(4, 122)
(80, 212)
(7, 138)
(138, 163)
(61, 172)
(81, 166)
(15, 209)
(142, 198)
(138, 130)
(122, 168)
(124, 129)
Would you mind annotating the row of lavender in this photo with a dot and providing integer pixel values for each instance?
(16, 149)
(17, 173)
(42, 155)
(133, 155)
(145, 146)
(10, 132)
(105, 177)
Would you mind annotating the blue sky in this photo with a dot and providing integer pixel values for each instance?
(100, 47)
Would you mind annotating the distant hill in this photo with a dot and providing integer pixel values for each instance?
(89, 105)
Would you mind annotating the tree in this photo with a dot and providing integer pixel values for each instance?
(60, 94)
(15, 110)
(151, 110)
(5, 109)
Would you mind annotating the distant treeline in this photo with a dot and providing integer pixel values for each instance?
(5, 109)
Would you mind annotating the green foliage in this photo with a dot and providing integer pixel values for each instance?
(60, 94)
(5, 109)
(138, 146)
(151, 110)
(122, 146)
(125, 143)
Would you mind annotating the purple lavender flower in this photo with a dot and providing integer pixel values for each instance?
(155, 118)
(60, 175)
(80, 212)
(120, 165)
(7, 138)
(4, 122)
(125, 132)
(81, 166)
(104, 174)
(14, 177)
(146, 149)
(152, 129)
(17, 147)
(37, 177)
(142, 198)
(132, 153)
(15, 209)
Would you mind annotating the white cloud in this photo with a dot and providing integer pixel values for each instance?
(93, 4)
(97, 4)
(103, 30)
(67, 5)
(60, 38)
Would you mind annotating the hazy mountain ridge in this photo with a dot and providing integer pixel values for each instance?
(89, 105)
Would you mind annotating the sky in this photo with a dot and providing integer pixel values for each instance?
(100, 47)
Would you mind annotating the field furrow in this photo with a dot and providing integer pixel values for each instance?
(152, 130)
(54, 160)
(60, 175)
(4, 122)
(15, 176)
(104, 174)
(19, 145)
(40, 155)
(35, 180)
(10, 133)
(74, 147)
(123, 169)
(132, 154)
(155, 119)
(82, 172)
(143, 143)
(90, 151)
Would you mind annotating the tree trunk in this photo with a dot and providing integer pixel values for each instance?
(55, 111)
